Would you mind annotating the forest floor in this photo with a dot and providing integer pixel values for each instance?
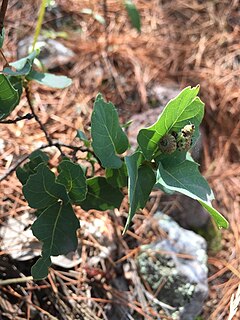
(182, 43)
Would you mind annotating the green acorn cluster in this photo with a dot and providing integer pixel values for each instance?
(181, 141)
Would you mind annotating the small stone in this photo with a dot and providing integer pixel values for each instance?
(183, 280)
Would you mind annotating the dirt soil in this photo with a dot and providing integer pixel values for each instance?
(182, 43)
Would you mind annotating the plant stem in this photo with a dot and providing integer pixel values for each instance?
(45, 146)
(39, 23)
(30, 102)
(27, 116)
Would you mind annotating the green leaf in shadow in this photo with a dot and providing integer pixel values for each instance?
(101, 195)
(73, 178)
(107, 135)
(41, 189)
(56, 228)
(141, 181)
(9, 96)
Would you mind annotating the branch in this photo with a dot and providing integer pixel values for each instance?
(45, 146)
(42, 127)
(27, 116)
(30, 103)
(14, 167)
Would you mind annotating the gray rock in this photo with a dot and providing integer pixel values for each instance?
(53, 53)
(158, 97)
(177, 264)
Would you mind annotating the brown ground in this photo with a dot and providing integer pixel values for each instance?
(182, 42)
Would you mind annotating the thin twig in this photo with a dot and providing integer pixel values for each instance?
(74, 148)
(4, 58)
(30, 102)
(45, 146)
(27, 116)
(42, 127)
(14, 167)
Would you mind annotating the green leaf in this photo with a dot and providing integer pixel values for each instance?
(39, 270)
(73, 178)
(133, 14)
(107, 135)
(23, 66)
(184, 109)
(56, 228)
(50, 80)
(141, 181)
(118, 178)
(101, 195)
(36, 157)
(184, 177)
(39, 153)
(9, 97)
(2, 36)
(81, 135)
(17, 84)
(41, 189)
(23, 173)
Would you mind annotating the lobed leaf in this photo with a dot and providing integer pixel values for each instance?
(41, 190)
(101, 195)
(141, 181)
(56, 228)
(39, 270)
(184, 109)
(107, 135)
(73, 178)
(36, 157)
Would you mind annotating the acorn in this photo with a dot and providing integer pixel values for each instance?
(167, 144)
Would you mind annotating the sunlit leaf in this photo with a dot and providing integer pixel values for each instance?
(50, 80)
(184, 177)
(184, 109)
(22, 66)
